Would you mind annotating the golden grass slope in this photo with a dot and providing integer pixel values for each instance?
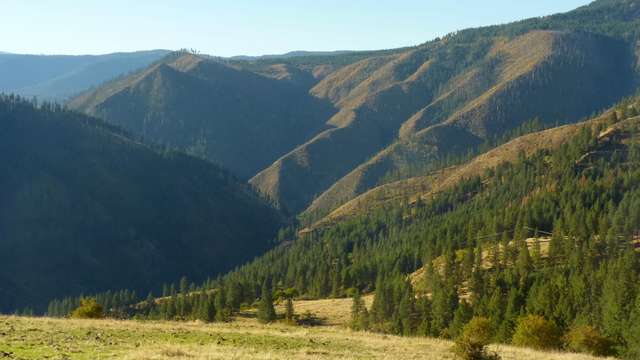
(427, 186)
(534, 75)
(45, 338)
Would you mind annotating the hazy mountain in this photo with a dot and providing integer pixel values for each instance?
(60, 76)
(233, 117)
(85, 208)
(290, 54)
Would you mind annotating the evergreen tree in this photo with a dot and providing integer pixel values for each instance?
(359, 314)
(266, 311)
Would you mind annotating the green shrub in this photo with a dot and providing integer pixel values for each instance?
(588, 339)
(472, 343)
(537, 332)
(88, 309)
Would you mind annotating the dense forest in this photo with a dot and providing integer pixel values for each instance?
(86, 207)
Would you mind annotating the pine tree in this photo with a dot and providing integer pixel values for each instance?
(632, 335)
(207, 312)
(463, 314)
(359, 314)
(266, 311)
(220, 305)
(523, 264)
(407, 311)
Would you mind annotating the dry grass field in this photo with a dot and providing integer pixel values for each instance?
(47, 338)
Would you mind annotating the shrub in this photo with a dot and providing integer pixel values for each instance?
(88, 309)
(309, 319)
(588, 339)
(537, 332)
(472, 343)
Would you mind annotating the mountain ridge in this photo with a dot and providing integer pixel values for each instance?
(218, 111)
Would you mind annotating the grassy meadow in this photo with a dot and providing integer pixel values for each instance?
(244, 338)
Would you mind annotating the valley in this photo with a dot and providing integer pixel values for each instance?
(475, 196)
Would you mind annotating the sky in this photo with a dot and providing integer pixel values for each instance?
(248, 27)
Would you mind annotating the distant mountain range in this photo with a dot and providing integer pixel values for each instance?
(57, 77)
(291, 54)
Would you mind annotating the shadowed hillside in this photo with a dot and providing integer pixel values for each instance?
(85, 208)
(233, 117)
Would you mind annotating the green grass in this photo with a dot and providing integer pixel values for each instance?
(46, 338)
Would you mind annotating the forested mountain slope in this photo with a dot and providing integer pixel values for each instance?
(85, 208)
(58, 77)
(584, 191)
(236, 118)
(423, 188)
(401, 112)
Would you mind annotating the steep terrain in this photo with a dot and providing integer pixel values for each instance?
(233, 117)
(57, 77)
(424, 187)
(396, 113)
(433, 102)
(85, 208)
(403, 111)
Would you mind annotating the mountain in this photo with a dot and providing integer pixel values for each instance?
(409, 109)
(233, 117)
(423, 188)
(58, 77)
(363, 119)
(86, 208)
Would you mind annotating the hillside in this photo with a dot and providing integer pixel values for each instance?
(315, 130)
(85, 208)
(236, 118)
(425, 187)
(402, 112)
(579, 185)
(58, 77)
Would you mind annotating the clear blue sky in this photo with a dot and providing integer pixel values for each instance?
(249, 27)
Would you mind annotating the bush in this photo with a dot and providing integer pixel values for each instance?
(472, 343)
(588, 339)
(537, 332)
(309, 319)
(88, 309)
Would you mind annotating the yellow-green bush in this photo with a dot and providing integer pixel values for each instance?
(472, 343)
(536, 332)
(588, 339)
(88, 309)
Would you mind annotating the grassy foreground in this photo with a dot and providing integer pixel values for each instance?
(46, 338)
